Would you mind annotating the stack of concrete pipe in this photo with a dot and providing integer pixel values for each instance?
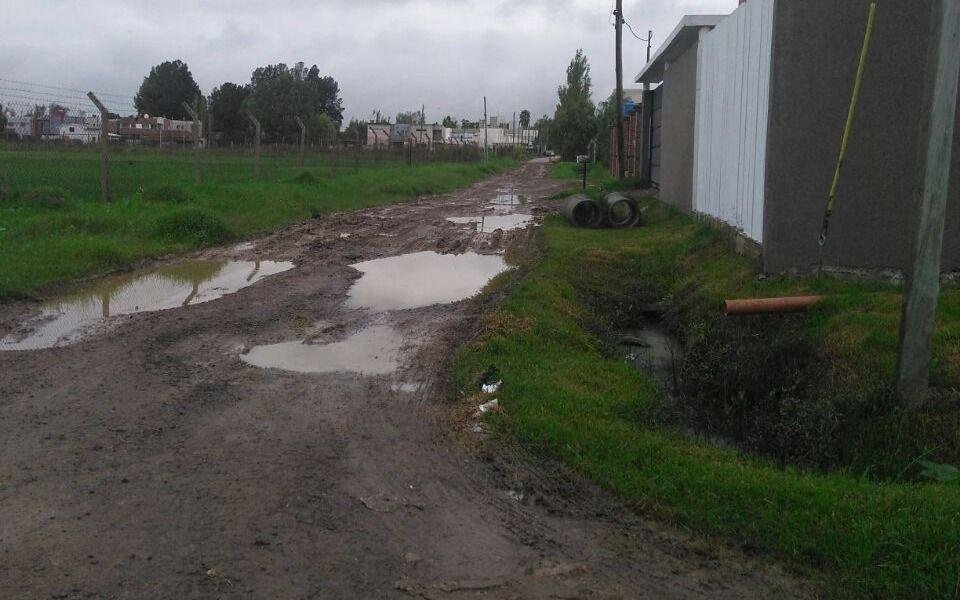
(616, 211)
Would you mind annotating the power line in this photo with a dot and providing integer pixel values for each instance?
(66, 89)
(56, 97)
(635, 33)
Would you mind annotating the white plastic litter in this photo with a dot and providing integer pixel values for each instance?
(487, 407)
(490, 388)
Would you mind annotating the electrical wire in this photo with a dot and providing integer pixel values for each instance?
(65, 89)
(634, 33)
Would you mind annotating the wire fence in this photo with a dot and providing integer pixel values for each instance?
(56, 138)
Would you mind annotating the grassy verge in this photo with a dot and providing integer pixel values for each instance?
(53, 230)
(566, 395)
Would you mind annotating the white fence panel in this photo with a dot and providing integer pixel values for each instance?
(733, 97)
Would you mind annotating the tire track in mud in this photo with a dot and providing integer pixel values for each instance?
(150, 461)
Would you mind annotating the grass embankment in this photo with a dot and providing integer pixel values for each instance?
(567, 395)
(53, 229)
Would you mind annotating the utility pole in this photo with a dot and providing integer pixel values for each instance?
(923, 281)
(104, 148)
(513, 130)
(484, 128)
(618, 15)
(646, 86)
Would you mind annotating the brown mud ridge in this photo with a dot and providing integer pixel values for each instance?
(163, 455)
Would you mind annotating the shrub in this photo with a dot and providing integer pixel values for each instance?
(49, 197)
(169, 194)
(305, 178)
(192, 225)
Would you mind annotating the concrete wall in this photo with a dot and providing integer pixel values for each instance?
(815, 53)
(679, 110)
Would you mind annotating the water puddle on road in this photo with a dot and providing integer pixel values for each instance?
(371, 351)
(421, 279)
(507, 197)
(64, 320)
(491, 223)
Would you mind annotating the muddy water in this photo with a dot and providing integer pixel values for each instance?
(507, 197)
(371, 351)
(491, 223)
(65, 319)
(421, 279)
(653, 350)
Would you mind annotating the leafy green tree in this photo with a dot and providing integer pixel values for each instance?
(524, 118)
(574, 121)
(354, 129)
(278, 94)
(450, 122)
(226, 112)
(408, 118)
(379, 118)
(467, 124)
(165, 89)
(543, 126)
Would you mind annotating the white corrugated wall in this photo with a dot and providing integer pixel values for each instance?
(730, 139)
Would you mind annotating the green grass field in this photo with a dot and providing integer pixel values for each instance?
(867, 525)
(53, 228)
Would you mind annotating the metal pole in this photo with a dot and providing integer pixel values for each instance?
(485, 129)
(923, 281)
(197, 170)
(618, 15)
(646, 86)
(104, 148)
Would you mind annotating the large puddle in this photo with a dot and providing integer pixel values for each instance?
(422, 279)
(491, 223)
(371, 351)
(64, 320)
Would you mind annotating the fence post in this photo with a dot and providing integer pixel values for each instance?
(923, 280)
(104, 148)
(303, 139)
(198, 171)
(333, 154)
(256, 144)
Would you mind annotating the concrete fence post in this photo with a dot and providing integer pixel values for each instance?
(197, 168)
(303, 140)
(104, 148)
(256, 144)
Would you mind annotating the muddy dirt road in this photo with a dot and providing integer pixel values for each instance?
(292, 439)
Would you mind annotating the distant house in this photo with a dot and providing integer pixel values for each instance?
(378, 134)
(152, 130)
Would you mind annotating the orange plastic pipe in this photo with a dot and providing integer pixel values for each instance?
(758, 306)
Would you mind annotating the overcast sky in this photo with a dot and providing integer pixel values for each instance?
(390, 55)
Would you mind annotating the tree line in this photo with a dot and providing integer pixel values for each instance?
(276, 95)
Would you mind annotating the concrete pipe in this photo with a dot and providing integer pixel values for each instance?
(620, 212)
(758, 306)
(581, 211)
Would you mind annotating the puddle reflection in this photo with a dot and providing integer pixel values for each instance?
(63, 320)
(491, 223)
(371, 351)
(421, 279)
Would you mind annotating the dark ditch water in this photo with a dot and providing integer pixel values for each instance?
(65, 319)
(653, 349)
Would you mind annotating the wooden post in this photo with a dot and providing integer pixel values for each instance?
(104, 148)
(618, 14)
(356, 153)
(197, 169)
(303, 140)
(923, 281)
(256, 144)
